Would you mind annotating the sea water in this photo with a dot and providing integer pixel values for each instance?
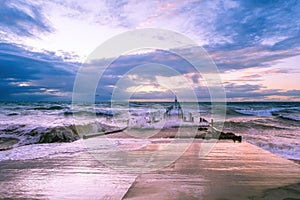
(40, 129)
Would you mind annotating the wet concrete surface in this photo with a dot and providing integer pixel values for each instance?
(230, 171)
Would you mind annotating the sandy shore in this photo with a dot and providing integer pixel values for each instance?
(230, 171)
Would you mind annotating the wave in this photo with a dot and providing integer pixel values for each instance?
(26, 135)
(35, 151)
(13, 114)
(251, 124)
(259, 113)
(289, 151)
(71, 112)
(108, 113)
(230, 112)
(19, 135)
(283, 113)
(290, 117)
(31, 110)
(289, 114)
(56, 107)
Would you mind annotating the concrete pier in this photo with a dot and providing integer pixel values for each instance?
(229, 171)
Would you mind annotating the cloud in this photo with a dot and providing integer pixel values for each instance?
(253, 92)
(34, 75)
(232, 29)
(259, 56)
(251, 22)
(237, 67)
(21, 18)
(239, 36)
(126, 63)
(27, 75)
(289, 43)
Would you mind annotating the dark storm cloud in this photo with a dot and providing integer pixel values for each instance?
(33, 73)
(250, 92)
(260, 56)
(125, 63)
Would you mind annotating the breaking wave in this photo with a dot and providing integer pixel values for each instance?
(284, 113)
(19, 135)
(56, 107)
(96, 112)
(24, 135)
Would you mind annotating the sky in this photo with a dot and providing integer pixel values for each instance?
(254, 44)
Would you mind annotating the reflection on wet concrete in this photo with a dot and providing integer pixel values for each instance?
(74, 176)
(229, 171)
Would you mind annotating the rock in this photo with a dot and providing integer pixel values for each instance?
(58, 134)
(7, 143)
(230, 135)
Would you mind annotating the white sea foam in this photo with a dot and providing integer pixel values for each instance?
(295, 117)
(259, 112)
(35, 151)
(284, 143)
(289, 151)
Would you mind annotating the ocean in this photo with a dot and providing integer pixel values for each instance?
(30, 130)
